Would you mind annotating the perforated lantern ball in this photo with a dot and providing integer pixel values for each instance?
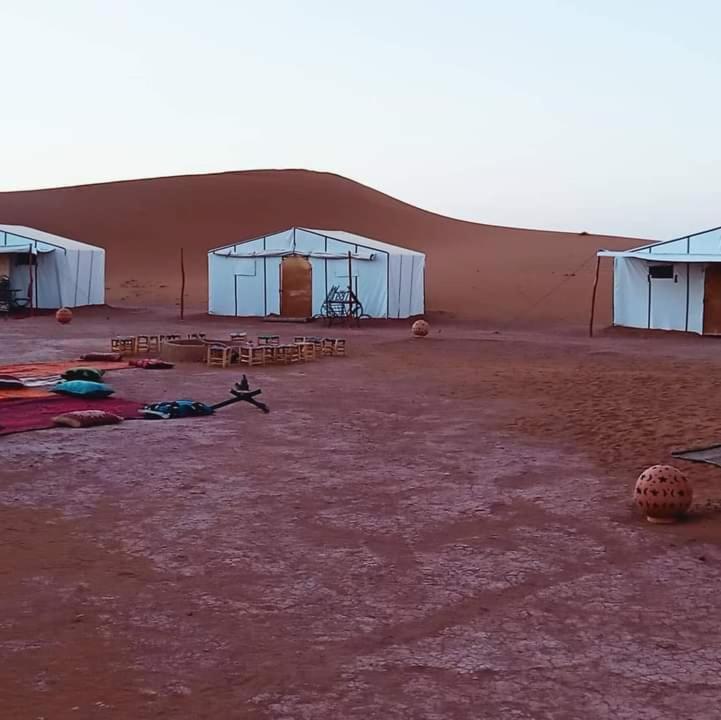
(420, 328)
(663, 494)
(64, 316)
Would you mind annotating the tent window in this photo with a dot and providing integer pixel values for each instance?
(661, 272)
(22, 259)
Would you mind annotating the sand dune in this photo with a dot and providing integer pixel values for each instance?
(487, 273)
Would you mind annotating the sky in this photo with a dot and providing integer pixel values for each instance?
(597, 115)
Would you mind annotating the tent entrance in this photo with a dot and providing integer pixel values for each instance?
(296, 287)
(712, 300)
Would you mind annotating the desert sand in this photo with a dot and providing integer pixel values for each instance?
(495, 275)
(437, 529)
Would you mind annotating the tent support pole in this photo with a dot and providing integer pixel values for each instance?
(30, 282)
(593, 297)
(350, 287)
(35, 283)
(182, 286)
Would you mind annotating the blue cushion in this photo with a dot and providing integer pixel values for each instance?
(83, 388)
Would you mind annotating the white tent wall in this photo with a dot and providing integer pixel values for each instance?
(406, 286)
(668, 300)
(696, 281)
(630, 284)
(71, 279)
(233, 279)
(388, 285)
(640, 301)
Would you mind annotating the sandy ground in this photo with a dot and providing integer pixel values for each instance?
(482, 272)
(432, 529)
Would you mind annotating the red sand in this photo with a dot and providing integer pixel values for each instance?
(489, 273)
(435, 529)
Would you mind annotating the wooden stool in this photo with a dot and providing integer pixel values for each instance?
(317, 345)
(219, 356)
(142, 343)
(123, 344)
(273, 340)
(285, 354)
(333, 346)
(251, 355)
(306, 349)
(154, 343)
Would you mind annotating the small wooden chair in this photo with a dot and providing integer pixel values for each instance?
(124, 344)
(307, 350)
(219, 355)
(239, 337)
(251, 355)
(286, 354)
(142, 343)
(333, 346)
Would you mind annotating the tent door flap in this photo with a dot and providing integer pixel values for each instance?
(296, 287)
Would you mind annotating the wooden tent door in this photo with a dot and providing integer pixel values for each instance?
(712, 300)
(296, 287)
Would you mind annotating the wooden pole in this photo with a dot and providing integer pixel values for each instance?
(182, 285)
(30, 281)
(593, 297)
(350, 288)
(36, 287)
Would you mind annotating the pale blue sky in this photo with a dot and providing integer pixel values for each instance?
(599, 115)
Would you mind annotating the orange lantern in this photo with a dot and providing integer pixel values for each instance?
(663, 494)
(420, 328)
(64, 315)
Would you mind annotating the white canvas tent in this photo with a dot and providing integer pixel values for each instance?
(58, 272)
(671, 285)
(259, 277)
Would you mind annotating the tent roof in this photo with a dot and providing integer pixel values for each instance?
(32, 235)
(340, 236)
(662, 257)
(650, 247)
(353, 239)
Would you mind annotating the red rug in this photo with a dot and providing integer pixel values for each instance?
(18, 416)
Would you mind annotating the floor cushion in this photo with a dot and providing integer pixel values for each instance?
(152, 364)
(84, 373)
(86, 418)
(83, 388)
(107, 356)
